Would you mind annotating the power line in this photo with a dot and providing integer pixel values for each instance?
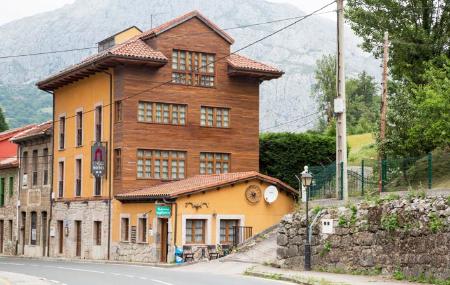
(291, 121)
(46, 52)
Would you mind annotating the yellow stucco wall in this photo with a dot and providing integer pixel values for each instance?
(82, 95)
(125, 35)
(228, 202)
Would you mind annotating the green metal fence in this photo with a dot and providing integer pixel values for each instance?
(388, 175)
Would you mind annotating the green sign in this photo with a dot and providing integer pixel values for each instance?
(163, 211)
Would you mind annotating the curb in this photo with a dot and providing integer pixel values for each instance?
(278, 277)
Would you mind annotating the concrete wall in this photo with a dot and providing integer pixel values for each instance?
(409, 234)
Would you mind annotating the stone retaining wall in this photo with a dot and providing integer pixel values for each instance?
(410, 234)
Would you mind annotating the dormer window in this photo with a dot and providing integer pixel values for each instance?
(106, 44)
(193, 68)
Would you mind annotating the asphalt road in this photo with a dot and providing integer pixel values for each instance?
(77, 273)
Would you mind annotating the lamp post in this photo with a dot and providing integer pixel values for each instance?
(306, 181)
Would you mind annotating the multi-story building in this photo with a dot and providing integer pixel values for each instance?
(9, 181)
(156, 106)
(35, 149)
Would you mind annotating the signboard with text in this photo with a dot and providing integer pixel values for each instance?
(98, 160)
(163, 211)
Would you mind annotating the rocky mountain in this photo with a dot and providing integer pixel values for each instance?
(86, 22)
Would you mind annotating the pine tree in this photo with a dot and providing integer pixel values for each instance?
(3, 124)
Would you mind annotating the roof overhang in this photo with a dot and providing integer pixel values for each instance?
(91, 67)
(262, 75)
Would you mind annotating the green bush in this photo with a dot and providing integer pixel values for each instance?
(283, 155)
(390, 222)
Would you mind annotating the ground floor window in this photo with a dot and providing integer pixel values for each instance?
(97, 233)
(125, 229)
(142, 229)
(195, 231)
(227, 230)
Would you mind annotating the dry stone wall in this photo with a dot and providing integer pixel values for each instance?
(411, 235)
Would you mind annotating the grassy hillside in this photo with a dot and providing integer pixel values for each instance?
(362, 146)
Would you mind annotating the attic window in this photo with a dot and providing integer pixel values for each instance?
(106, 44)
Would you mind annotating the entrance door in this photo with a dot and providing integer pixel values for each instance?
(78, 237)
(60, 236)
(22, 231)
(44, 232)
(1, 235)
(164, 230)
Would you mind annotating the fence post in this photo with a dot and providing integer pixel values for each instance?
(362, 177)
(430, 170)
(341, 182)
(383, 174)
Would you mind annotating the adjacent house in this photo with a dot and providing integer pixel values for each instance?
(158, 112)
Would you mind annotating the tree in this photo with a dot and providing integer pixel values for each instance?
(418, 31)
(324, 89)
(3, 124)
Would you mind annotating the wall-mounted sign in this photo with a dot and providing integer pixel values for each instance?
(163, 211)
(52, 231)
(98, 160)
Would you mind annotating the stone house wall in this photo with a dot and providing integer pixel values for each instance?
(411, 235)
(87, 212)
(8, 213)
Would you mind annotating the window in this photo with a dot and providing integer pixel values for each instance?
(78, 177)
(215, 117)
(97, 233)
(98, 186)
(162, 113)
(2, 192)
(117, 162)
(33, 233)
(142, 229)
(193, 68)
(214, 163)
(98, 123)
(25, 168)
(125, 229)
(62, 132)
(118, 111)
(11, 186)
(195, 231)
(161, 164)
(61, 179)
(45, 158)
(227, 230)
(79, 122)
(34, 166)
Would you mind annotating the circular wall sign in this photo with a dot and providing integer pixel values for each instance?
(271, 194)
(253, 193)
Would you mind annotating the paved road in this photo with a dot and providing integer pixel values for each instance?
(76, 273)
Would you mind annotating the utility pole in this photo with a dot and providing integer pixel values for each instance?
(339, 109)
(383, 110)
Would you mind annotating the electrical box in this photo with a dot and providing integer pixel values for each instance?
(52, 231)
(327, 226)
(339, 106)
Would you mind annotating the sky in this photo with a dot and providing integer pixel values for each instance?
(13, 10)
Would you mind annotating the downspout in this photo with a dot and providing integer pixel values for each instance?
(50, 216)
(110, 161)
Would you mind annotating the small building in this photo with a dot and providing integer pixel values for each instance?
(198, 211)
(35, 148)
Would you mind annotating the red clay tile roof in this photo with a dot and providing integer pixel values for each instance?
(199, 183)
(12, 132)
(9, 162)
(37, 130)
(243, 63)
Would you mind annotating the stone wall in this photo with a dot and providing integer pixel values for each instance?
(87, 212)
(410, 234)
(8, 213)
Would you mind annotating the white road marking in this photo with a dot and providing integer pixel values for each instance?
(79, 269)
(12, 263)
(129, 276)
(143, 278)
(161, 282)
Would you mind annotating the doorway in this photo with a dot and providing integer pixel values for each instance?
(44, 232)
(164, 230)
(22, 232)
(78, 237)
(60, 236)
(1, 235)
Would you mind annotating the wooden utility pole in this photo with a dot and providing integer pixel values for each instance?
(339, 109)
(381, 152)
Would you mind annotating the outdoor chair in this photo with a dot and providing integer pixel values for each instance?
(212, 252)
(188, 253)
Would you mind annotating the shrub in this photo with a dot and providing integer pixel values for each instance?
(436, 223)
(390, 222)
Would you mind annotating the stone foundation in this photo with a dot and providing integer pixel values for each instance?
(411, 235)
(134, 252)
(87, 212)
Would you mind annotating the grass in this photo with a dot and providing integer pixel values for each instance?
(362, 146)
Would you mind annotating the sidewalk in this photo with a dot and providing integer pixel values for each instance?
(319, 278)
(8, 278)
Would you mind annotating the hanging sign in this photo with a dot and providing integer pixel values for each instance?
(163, 211)
(98, 160)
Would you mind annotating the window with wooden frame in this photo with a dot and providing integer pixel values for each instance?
(97, 233)
(62, 132)
(214, 163)
(117, 163)
(97, 186)
(214, 117)
(193, 68)
(118, 111)
(125, 229)
(79, 134)
(34, 167)
(33, 232)
(195, 231)
(61, 179)
(162, 113)
(227, 231)
(78, 167)
(142, 229)
(161, 164)
(45, 158)
(98, 123)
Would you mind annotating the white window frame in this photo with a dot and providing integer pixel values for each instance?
(76, 126)
(95, 120)
(208, 219)
(241, 219)
(139, 216)
(125, 216)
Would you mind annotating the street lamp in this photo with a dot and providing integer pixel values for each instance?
(306, 181)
